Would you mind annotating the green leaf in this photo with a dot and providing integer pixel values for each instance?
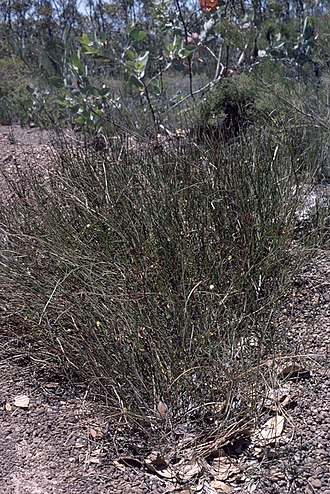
(76, 64)
(56, 82)
(136, 35)
(156, 88)
(104, 91)
(184, 53)
(191, 48)
(85, 40)
(81, 119)
(143, 59)
(141, 35)
(134, 81)
(130, 64)
(132, 54)
(63, 103)
(92, 51)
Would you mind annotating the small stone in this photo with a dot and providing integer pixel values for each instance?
(316, 483)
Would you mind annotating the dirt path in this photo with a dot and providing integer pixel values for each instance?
(61, 444)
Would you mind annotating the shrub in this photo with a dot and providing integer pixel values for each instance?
(155, 275)
(228, 109)
(14, 98)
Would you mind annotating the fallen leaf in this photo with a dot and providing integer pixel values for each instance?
(95, 457)
(51, 385)
(224, 467)
(205, 488)
(96, 432)
(180, 490)
(278, 398)
(270, 431)
(95, 460)
(8, 407)
(22, 401)
(128, 461)
(119, 465)
(218, 485)
(187, 470)
(290, 369)
(276, 475)
(161, 410)
(158, 465)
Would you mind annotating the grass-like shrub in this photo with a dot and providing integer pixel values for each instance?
(153, 271)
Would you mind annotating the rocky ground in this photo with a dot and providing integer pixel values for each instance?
(56, 440)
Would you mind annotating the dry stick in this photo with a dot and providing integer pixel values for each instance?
(220, 67)
(57, 284)
(151, 108)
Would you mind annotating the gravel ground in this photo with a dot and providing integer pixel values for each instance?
(302, 464)
(61, 442)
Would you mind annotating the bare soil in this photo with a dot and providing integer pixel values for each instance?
(62, 441)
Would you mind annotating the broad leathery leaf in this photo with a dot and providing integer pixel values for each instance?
(158, 465)
(187, 51)
(224, 467)
(220, 486)
(143, 59)
(135, 34)
(270, 431)
(187, 470)
(132, 54)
